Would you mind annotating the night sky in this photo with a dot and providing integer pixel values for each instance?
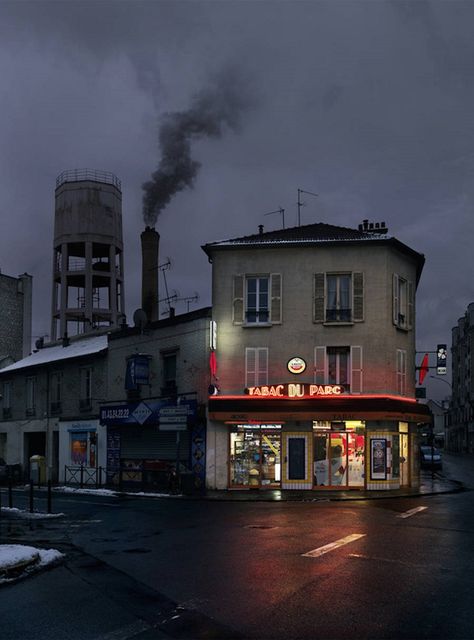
(368, 104)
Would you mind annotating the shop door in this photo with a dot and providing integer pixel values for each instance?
(404, 466)
(338, 459)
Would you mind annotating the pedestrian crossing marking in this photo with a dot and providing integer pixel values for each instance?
(411, 512)
(315, 553)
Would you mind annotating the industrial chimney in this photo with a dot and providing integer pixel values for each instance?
(150, 241)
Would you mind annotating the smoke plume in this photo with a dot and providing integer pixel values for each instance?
(212, 111)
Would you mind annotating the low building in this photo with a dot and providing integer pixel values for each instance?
(314, 360)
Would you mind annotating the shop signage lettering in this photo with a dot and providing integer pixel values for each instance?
(292, 390)
(114, 414)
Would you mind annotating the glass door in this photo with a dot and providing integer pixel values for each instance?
(339, 459)
(404, 478)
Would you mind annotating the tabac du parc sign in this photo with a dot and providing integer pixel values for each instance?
(292, 390)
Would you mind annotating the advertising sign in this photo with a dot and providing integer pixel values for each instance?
(441, 356)
(378, 459)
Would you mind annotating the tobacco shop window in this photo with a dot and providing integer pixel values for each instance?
(30, 396)
(84, 448)
(338, 297)
(85, 400)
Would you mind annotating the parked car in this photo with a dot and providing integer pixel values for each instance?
(430, 458)
(3, 471)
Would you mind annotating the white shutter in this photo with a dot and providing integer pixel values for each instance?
(262, 365)
(356, 369)
(275, 301)
(256, 366)
(250, 367)
(320, 374)
(238, 300)
(401, 371)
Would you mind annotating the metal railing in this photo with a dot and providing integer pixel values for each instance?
(82, 475)
(95, 175)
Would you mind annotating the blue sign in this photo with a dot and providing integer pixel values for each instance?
(138, 371)
(145, 412)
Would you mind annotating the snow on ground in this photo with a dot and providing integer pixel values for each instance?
(18, 561)
(112, 493)
(35, 515)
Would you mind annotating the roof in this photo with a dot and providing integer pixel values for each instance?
(315, 234)
(57, 353)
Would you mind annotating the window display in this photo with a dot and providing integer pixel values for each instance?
(255, 459)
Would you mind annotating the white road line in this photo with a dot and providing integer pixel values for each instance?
(411, 512)
(315, 553)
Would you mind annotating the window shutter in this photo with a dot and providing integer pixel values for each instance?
(275, 303)
(358, 297)
(318, 300)
(401, 371)
(356, 369)
(250, 367)
(238, 300)
(262, 365)
(395, 300)
(410, 305)
(320, 365)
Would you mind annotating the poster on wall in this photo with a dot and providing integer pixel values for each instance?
(378, 459)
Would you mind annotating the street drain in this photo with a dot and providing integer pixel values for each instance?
(259, 526)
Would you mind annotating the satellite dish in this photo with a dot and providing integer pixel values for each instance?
(139, 318)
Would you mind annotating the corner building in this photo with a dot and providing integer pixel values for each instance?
(313, 360)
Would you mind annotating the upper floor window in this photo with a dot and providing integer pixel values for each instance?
(257, 299)
(30, 396)
(169, 379)
(7, 399)
(55, 386)
(401, 371)
(256, 366)
(339, 365)
(85, 401)
(338, 297)
(403, 302)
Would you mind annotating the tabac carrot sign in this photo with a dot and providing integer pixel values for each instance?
(292, 390)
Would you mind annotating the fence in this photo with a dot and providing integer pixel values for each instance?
(83, 476)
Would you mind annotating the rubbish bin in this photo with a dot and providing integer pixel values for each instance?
(38, 469)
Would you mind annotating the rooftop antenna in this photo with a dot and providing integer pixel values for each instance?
(163, 268)
(189, 299)
(302, 204)
(280, 211)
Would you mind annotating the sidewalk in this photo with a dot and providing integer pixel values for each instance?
(428, 486)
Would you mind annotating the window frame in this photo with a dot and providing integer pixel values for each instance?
(259, 373)
(258, 309)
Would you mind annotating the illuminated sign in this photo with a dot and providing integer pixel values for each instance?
(292, 390)
(296, 365)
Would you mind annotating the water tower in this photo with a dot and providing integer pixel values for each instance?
(88, 253)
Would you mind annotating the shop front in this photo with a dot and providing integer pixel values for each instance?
(325, 442)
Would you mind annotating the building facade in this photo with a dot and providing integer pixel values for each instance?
(114, 408)
(313, 361)
(460, 427)
(15, 317)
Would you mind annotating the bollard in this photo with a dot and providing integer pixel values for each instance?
(10, 493)
(31, 497)
(82, 477)
(49, 497)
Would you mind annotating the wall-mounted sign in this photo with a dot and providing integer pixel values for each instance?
(138, 371)
(296, 365)
(293, 390)
(441, 357)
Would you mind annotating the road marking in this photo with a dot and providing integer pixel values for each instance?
(315, 553)
(411, 512)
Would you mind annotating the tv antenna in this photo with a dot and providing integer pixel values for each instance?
(280, 211)
(166, 266)
(188, 300)
(302, 204)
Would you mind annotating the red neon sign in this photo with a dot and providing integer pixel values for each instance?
(293, 390)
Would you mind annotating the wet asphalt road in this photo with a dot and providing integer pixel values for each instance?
(150, 568)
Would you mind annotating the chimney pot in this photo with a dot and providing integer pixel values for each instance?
(260, 229)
